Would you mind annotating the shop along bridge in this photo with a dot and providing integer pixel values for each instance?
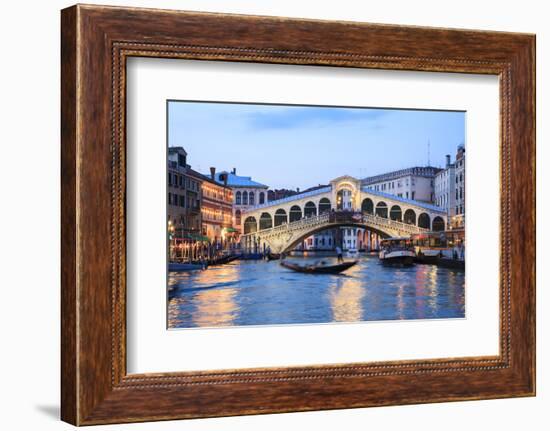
(282, 224)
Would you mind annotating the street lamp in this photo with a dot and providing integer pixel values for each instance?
(170, 238)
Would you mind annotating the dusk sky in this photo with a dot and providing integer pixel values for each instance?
(286, 146)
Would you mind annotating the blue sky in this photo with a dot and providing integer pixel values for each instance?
(285, 146)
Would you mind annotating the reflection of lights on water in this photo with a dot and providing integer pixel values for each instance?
(427, 289)
(401, 300)
(216, 307)
(346, 295)
(432, 281)
(432, 288)
(259, 293)
(212, 307)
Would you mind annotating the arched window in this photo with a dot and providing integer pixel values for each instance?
(310, 209)
(251, 198)
(382, 209)
(367, 207)
(438, 224)
(295, 213)
(424, 221)
(395, 213)
(410, 217)
(324, 205)
(237, 217)
(266, 222)
(238, 198)
(280, 217)
(245, 198)
(343, 200)
(262, 198)
(250, 225)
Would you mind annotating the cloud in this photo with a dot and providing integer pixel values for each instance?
(296, 117)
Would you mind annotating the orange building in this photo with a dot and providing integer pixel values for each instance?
(216, 209)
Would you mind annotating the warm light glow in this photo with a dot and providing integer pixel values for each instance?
(346, 296)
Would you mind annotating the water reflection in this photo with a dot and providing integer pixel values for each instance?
(346, 295)
(206, 298)
(401, 300)
(264, 293)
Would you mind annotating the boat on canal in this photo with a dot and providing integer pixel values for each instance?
(442, 248)
(319, 268)
(186, 266)
(273, 256)
(222, 260)
(352, 252)
(198, 265)
(251, 256)
(396, 251)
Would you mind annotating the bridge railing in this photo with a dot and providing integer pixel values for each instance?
(307, 221)
(336, 217)
(394, 224)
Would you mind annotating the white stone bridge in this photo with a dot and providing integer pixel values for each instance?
(284, 223)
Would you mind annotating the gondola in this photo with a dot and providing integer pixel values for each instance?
(319, 269)
(223, 259)
(184, 267)
(273, 256)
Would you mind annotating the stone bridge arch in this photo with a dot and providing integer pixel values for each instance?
(296, 241)
(390, 214)
(285, 237)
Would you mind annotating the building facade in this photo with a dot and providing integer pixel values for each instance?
(444, 187)
(352, 238)
(457, 219)
(415, 183)
(246, 193)
(322, 241)
(450, 189)
(216, 208)
(184, 195)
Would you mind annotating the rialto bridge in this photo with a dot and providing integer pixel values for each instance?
(284, 223)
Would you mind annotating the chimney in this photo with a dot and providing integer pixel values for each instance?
(448, 157)
(225, 179)
(213, 173)
(234, 171)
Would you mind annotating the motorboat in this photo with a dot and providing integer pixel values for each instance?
(443, 248)
(396, 251)
(352, 252)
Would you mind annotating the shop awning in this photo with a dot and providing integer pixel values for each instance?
(192, 237)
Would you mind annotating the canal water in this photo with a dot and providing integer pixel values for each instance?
(264, 293)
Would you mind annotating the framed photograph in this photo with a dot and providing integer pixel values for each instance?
(265, 215)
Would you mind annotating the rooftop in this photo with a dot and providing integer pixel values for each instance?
(234, 180)
(442, 171)
(176, 150)
(316, 191)
(326, 189)
(203, 177)
(421, 171)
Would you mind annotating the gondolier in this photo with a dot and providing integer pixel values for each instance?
(339, 254)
